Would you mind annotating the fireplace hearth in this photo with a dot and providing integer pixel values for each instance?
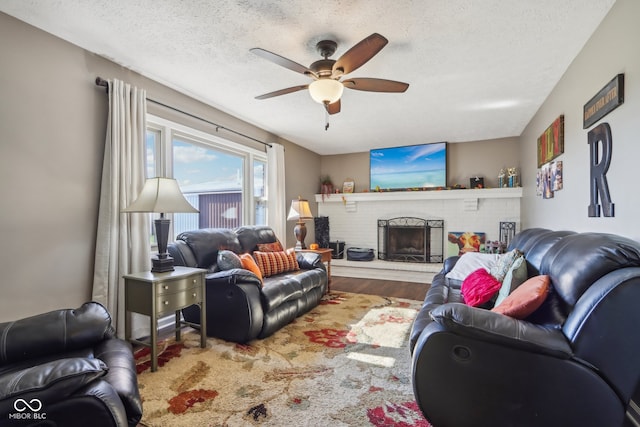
(410, 239)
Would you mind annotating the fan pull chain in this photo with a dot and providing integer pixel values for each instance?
(326, 119)
(326, 115)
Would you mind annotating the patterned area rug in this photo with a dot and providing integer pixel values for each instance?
(345, 363)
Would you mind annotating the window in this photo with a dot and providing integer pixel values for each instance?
(225, 181)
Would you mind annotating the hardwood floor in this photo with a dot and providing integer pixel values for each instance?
(387, 288)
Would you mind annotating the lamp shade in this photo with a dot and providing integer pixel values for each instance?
(161, 195)
(326, 91)
(299, 210)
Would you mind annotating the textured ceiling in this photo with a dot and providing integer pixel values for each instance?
(477, 69)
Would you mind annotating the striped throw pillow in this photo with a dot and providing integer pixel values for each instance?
(271, 263)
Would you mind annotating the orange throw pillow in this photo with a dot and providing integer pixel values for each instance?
(270, 247)
(248, 263)
(526, 298)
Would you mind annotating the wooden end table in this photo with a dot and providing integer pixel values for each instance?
(158, 294)
(325, 256)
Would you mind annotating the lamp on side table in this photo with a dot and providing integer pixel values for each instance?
(300, 211)
(161, 195)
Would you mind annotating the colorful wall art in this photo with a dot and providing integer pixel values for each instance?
(551, 142)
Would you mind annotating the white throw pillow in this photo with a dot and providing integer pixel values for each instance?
(516, 276)
(470, 262)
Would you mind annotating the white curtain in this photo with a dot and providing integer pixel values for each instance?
(122, 244)
(276, 201)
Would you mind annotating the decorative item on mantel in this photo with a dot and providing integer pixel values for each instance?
(326, 186)
(501, 179)
(512, 180)
(348, 186)
(476, 182)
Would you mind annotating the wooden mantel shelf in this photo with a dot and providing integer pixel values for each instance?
(484, 193)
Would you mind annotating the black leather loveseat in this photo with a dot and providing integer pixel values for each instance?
(240, 307)
(65, 368)
(572, 362)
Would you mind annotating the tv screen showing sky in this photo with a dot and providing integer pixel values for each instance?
(414, 166)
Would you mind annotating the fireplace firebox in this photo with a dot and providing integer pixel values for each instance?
(410, 239)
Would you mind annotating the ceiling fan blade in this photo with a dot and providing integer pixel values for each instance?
(375, 85)
(333, 108)
(283, 62)
(282, 92)
(359, 54)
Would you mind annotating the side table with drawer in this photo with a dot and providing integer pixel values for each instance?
(158, 294)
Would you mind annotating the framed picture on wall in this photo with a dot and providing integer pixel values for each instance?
(547, 187)
(551, 142)
(556, 175)
(461, 242)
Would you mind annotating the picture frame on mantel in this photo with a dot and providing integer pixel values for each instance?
(348, 186)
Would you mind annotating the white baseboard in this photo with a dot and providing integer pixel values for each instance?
(386, 270)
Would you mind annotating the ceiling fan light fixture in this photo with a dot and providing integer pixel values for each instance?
(326, 91)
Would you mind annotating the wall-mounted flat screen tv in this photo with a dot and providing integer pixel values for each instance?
(410, 167)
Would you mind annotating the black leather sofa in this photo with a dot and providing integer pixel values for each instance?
(239, 307)
(573, 362)
(66, 368)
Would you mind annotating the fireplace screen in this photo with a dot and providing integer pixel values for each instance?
(410, 239)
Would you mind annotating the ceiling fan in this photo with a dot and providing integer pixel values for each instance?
(327, 87)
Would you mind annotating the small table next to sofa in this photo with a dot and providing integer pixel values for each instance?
(157, 294)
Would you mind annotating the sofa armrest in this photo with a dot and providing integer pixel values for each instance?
(118, 356)
(309, 260)
(49, 382)
(54, 332)
(493, 327)
(235, 276)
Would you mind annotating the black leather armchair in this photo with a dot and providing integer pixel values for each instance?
(573, 362)
(66, 368)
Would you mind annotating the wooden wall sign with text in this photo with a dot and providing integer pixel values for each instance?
(551, 142)
(608, 99)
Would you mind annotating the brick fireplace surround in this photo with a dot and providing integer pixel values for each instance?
(353, 218)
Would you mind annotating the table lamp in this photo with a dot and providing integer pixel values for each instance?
(300, 212)
(161, 195)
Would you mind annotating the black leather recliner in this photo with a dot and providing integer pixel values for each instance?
(573, 362)
(66, 368)
(239, 307)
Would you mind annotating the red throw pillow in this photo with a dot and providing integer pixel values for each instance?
(248, 263)
(271, 263)
(526, 298)
(479, 287)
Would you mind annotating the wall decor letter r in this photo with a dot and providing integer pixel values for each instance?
(600, 135)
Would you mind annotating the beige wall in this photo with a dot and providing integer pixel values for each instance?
(464, 160)
(611, 50)
(53, 121)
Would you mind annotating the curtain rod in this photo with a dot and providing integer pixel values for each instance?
(104, 83)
